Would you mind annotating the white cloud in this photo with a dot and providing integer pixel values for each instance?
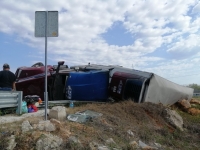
(167, 25)
(186, 47)
(179, 71)
(196, 8)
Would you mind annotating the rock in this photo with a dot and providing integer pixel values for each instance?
(46, 125)
(158, 145)
(93, 145)
(39, 113)
(185, 104)
(146, 147)
(134, 145)
(49, 142)
(173, 118)
(58, 112)
(55, 121)
(35, 126)
(111, 129)
(72, 140)
(11, 143)
(110, 141)
(26, 126)
(130, 133)
(103, 148)
(10, 119)
(65, 132)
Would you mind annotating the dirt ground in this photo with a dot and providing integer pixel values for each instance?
(145, 120)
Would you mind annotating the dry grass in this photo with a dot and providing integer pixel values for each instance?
(144, 120)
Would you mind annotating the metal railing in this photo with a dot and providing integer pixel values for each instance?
(11, 99)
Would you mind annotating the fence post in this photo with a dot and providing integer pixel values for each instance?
(19, 102)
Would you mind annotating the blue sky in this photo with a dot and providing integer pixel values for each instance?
(162, 37)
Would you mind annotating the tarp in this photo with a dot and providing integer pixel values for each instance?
(163, 91)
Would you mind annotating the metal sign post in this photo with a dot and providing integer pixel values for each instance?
(46, 25)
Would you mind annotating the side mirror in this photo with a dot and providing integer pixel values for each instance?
(61, 63)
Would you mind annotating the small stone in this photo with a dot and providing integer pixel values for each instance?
(110, 141)
(146, 147)
(111, 129)
(26, 126)
(65, 132)
(50, 127)
(133, 144)
(35, 126)
(93, 145)
(11, 143)
(55, 121)
(46, 125)
(74, 140)
(49, 141)
(158, 145)
(130, 133)
(103, 148)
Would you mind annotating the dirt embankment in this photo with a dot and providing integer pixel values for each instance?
(145, 121)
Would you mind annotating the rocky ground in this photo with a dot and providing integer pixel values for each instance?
(122, 126)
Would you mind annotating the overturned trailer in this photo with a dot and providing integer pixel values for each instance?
(140, 86)
(99, 83)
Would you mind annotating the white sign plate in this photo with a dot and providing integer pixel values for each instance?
(52, 23)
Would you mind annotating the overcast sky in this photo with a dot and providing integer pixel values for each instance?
(159, 36)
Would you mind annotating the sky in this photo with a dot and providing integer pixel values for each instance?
(157, 36)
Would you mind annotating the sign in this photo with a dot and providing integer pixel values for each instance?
(52, 23)
(46, 25)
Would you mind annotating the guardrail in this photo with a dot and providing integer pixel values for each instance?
(74, 101)
(196, 94)
(11, 99)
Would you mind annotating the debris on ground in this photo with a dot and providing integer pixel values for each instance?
(194, 101)
(185, 104)
(191, 107)
(83, 116)
(193, 111)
